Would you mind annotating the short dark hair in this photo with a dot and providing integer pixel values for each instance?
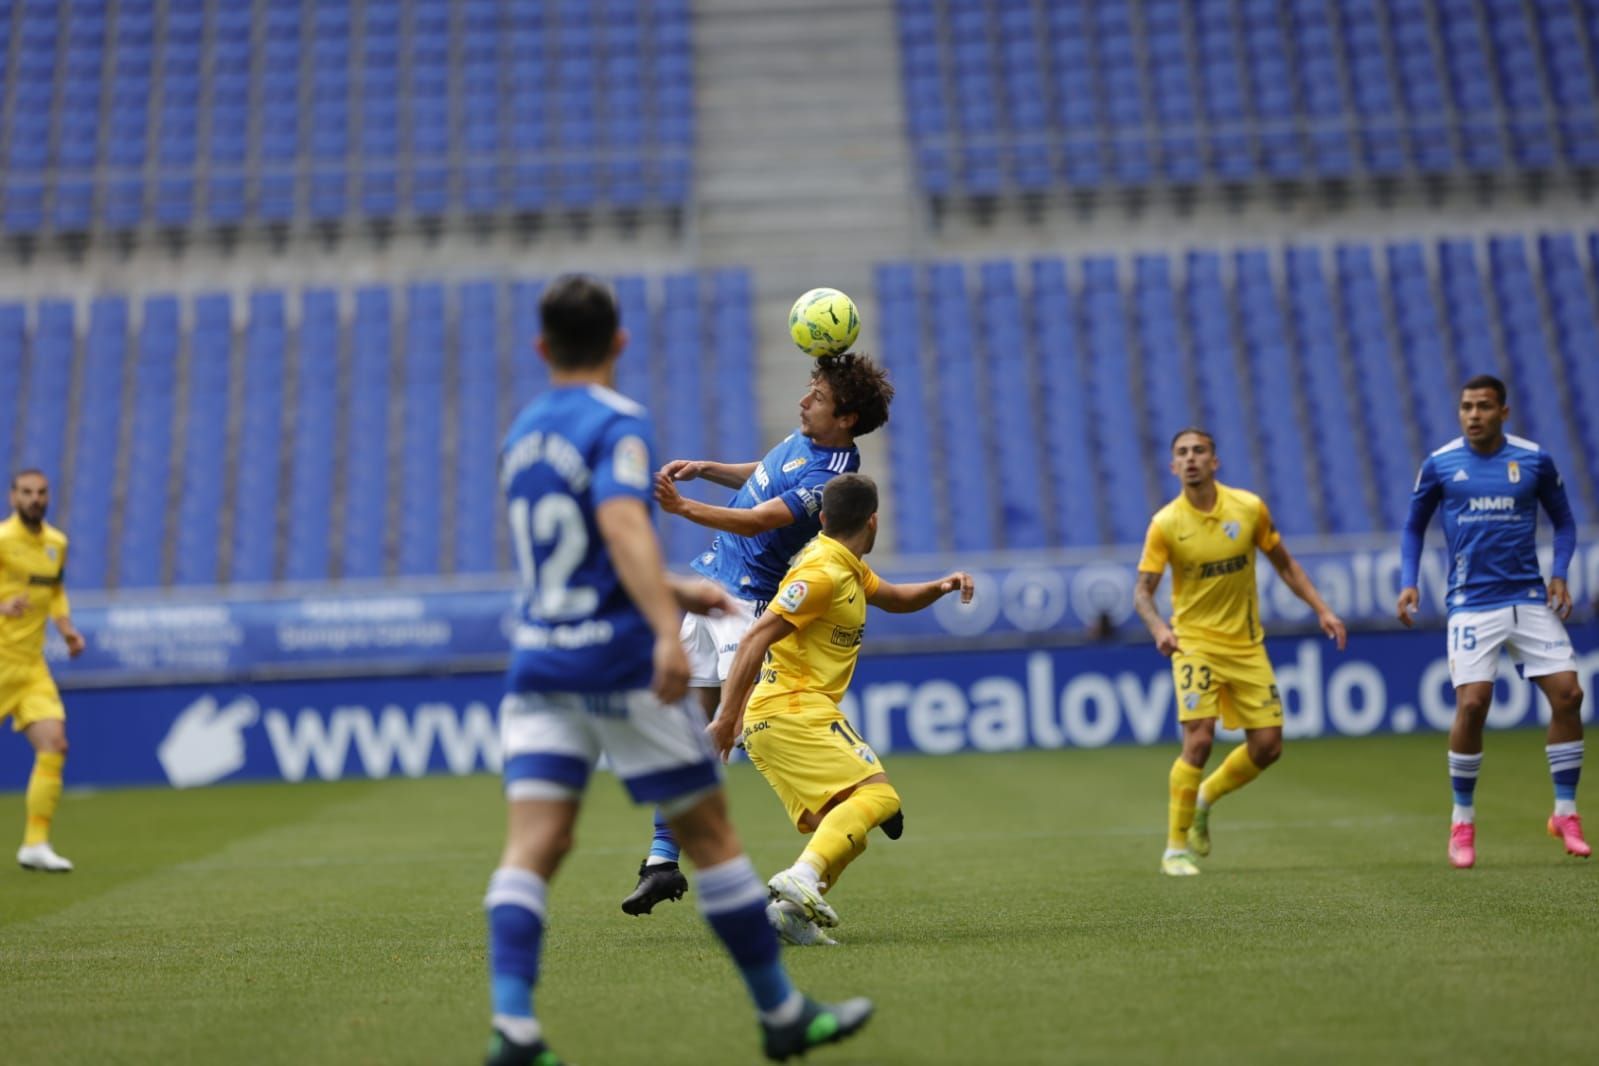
(847, 502)
(860, 388)
(578, 318)
(1487, 381)
(1185, 431)
(31, 471)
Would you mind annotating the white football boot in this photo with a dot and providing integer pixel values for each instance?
(42, 857)
(794, 928)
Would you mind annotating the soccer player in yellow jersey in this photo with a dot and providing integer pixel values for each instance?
(781, 695)
(33, 557)
(1208, 535)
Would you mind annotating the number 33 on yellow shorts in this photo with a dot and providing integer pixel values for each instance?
(1238, 686)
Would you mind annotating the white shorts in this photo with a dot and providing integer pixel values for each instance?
(551, 741)
(711, 642)
(1533, 634)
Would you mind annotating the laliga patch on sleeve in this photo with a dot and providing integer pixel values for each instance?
(793, 595)
(811, 499)
(630, 463)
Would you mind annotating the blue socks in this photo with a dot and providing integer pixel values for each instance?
(1463, 771)
(733, 900)
(663, 848)
(1565, 767)
(515, 908)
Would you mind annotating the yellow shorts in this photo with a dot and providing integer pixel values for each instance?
(1236, 684)
(808, 753)
(30, 697)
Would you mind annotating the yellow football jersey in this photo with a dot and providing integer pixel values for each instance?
(1212, 557)
(31, 564)
(824, 596)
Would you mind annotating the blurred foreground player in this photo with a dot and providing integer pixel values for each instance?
(1209, 535)
(33, 562)
(1491, 485)
(596, 667)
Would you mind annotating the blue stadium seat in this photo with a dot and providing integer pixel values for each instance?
(1076, 489)
(910, 443)
(1576, 325)
(146, 492)
(1343, 454)
(966, 451)
(99, 422)
(679, 420)
(1165, 357)
(421, 458)
(476, 510)
(1012, 415)
(49, 376)
(1207, 312)
(321, 351)
(1376, 365)
(1117, 452)
(200, 506)
(1427, 364)
(1272, 377)
(1541, 410)
(256, 479)
(365, 435)
(13, 348)
(733, 333)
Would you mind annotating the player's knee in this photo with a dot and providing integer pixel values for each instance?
(1265, 752)
(1474, 706)
(1196, 749)
(1566, 698)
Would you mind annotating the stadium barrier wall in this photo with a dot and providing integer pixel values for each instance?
(188, 735)
(349, 632)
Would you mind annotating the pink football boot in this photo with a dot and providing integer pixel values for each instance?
(1462, 845)
(1568, 827)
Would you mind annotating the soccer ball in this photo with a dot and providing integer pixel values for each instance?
(824, 322)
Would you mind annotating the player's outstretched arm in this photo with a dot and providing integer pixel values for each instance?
(1295, 578)
(742, 521)
(724, 729)
(1423, 502)
(728, 475)
(1144, 604)
(903, 599)
(698, 596)
(624, 524)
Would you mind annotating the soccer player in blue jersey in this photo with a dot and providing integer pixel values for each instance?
(1491, 484)
(774, 513)
(596, 665)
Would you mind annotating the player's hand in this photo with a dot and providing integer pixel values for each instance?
(1333, 626)
(1409, 603)
(666, 494)
(1559, 597)
(961, 580)
(670, 679)
(75, 643)
(723, 731)
(683, 469)
(1166, 642)
(15, 607)
(702, 597)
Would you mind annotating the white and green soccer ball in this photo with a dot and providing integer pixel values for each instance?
(824, 322)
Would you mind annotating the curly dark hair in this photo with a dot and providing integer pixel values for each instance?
(860, 388)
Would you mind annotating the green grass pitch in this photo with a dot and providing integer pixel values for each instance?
(1020, 920)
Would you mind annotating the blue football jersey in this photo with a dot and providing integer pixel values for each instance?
(795, 472)
(567, 453)
(1490, 515)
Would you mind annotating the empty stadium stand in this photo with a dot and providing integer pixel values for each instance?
(1326, 374)
(194, 113)
(323, 434)
(1025, 96)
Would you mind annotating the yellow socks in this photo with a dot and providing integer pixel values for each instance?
(842, 835)
(1236, 771)
(1184, 783)
(44, 794)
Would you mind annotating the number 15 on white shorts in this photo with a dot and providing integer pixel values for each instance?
(1531, 632)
